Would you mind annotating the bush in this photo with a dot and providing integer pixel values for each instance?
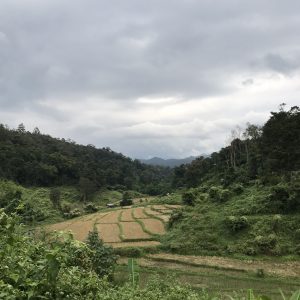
(175, 217)
(276, 220)
(265, 243)
(218, 194)
(90, 208)
(279, 198)
(126, 200)
(297, 234)
(237, 188)
(129, 252)
(66, 208)
(73, 213)
(189, 197)
(103, 258)
(56, 268)
(236, 223)
(55, 197)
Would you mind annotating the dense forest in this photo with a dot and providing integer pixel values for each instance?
(35, 159)
(267, 152)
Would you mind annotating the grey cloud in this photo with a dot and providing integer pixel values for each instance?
(65, 52)
(281, 65)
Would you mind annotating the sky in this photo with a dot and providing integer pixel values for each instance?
(167, 78)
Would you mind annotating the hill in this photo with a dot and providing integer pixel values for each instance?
(36, 159)
(244, 199)
(171, 162)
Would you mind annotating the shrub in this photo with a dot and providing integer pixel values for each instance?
(189, 197)
(265, 243)
(218, 194)
(73, 213)
(66, 208)
(236, 223)
(175, 217)
(90, 208)
(297, 234)
(237, 188)
(276, 220)
(126, 200)
(129, 252)
(55, 197)
(279, 197)
(103, 258)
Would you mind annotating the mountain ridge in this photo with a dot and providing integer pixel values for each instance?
(169, 162)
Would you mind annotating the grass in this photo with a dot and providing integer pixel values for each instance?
(202, 229)
(216, 280)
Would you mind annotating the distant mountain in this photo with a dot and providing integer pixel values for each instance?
(172, 162)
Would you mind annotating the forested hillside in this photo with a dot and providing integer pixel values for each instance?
(244, 199)
(267, 153)
(36, 159)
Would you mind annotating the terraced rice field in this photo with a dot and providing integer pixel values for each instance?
(128, 227)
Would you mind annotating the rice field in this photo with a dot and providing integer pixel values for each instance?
(127, 227)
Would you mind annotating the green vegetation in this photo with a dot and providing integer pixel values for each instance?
(246, 223)
(244, 199)
(35, 159)
(58, 267)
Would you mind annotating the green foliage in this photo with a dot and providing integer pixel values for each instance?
(268, 153)
(236, 223)
(103, 258)
(35, 159)
(218, 194)
(175, 217)
(237, 188)
(33, 269)
(133, 271)
(266, 243)
(87, 188)
(55, 197)
(73, 213)
(90, 207)
(231, 227)
(189, 197)
(126, 200)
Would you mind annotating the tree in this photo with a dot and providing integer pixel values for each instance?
(103, 257)
(36, 131)
(21, 128)
(87, 188)
(55, 197)
(126, 200)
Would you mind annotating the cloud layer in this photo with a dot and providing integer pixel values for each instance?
(147, 78)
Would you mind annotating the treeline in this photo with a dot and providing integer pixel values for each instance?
(35, 159)
(268, 153)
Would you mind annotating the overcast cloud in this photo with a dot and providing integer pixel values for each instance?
(165, 78)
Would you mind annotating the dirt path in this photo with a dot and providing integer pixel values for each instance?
(272, 268)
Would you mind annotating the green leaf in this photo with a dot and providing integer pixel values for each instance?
(296, 296)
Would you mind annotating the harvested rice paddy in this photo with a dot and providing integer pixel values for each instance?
(127, 227)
